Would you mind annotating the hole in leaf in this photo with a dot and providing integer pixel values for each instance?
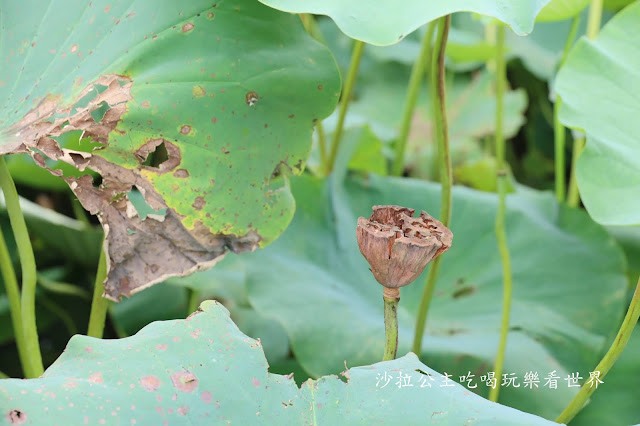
(141, 206)
(97, 181)
(156, 157)
(83, 102)
(98, 114)
(101, 87)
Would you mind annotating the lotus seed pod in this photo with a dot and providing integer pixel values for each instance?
(398, 246)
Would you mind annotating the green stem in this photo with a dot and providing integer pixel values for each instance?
(594, 19)
(425, 303)
(391, 297)
(560, 132)
(99, 305)
(490, 38)
(322, 146)
(573, 198)
(13, 294)
(28, 265)
(356, 56)
(311, 26)
(415, 81)
(500, 226)
(618, 345)
(194, 300)
(439, 110)
(570, 39)
(559, 136)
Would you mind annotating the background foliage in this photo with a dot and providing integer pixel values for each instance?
(309, 296)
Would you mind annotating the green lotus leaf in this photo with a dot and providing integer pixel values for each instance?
(204, 370)
(383, 23)
(203, 108)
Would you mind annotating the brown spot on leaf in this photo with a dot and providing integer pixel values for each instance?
(184, 381)
(96, 378)
(181, 173)
(198, 92)
(145, 104)
(16, 417)
(185, 130)
(39, 159)
(150, 383)
(207, 397)
(319, 86)
(187, 27)
(251, 98)
(74, 48)
(199, 203)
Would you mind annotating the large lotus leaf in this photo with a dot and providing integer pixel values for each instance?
(383, 22)
(204, 108)
(615, 403)
(569, 286)
(203, 370)
(600, 89)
